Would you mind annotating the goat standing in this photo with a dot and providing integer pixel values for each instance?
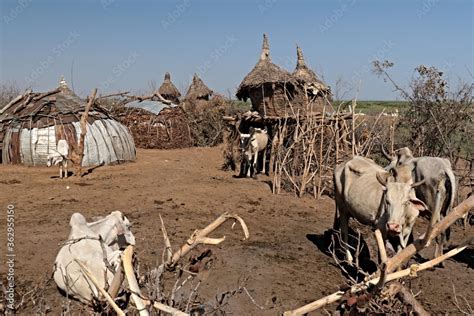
(59, 157)
(252, 144)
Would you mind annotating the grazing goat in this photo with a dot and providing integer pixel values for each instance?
(60, 157)
(251, 145)
(98, 246)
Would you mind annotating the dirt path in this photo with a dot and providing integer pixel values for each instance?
(283, 266)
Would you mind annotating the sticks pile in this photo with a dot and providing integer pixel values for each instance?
(386, 274)
(170, 263)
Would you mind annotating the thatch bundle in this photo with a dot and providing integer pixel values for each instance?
(168, 90)
(198, 90)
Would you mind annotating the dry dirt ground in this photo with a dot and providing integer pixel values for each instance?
(281, 262)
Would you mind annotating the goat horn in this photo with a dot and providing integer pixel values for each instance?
(386, 155)
(414, 185)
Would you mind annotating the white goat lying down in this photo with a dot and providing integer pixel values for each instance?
(252, 145)
(60, 157)
(84, 245)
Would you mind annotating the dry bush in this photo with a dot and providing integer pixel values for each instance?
(7, 93)
(206, 119)
(439, 119)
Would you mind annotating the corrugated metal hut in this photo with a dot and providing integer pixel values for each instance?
(310, 89)
(168, 90)
(32, 124)
(269, 87)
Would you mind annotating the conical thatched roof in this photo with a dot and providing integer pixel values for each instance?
(264, 72)
(64, 87)
(168, 90)
(304, 75)
(198, 90)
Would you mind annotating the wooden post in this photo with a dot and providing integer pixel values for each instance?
(82, 137)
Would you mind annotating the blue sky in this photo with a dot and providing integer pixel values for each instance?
(126, 45)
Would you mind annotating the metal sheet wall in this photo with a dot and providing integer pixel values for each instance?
(107, 141)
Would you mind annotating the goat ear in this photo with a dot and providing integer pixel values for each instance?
(382, 178)
(419, 205)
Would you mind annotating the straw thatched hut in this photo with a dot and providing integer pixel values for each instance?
(32, 124)
(168, 90)
(198, 90)
(269, 87)
(198, 96)
(310, 89)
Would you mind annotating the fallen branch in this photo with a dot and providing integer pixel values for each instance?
(396, 288)
(89, 275)
(200, 237)
(116, 282)
(411, 271)
(381, 245)
(132, 281)
(137, 298)
(465, 207)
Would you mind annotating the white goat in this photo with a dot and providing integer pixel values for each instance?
(252, 144)
(60, 157)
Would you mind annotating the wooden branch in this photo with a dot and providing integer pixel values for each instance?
(381, 245)
(116, 282)
(132, 281)
(121, 94)
(94, 281)
(12, 102)
(82, 137)
(140, 302)
(396, 288)
(316, 304)
(149, 97)
(465, 207)
(165, 308)
(200, 237)
(44, 95)
(168, 250)
(411, 271)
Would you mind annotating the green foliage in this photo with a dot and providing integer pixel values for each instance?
(375, 107)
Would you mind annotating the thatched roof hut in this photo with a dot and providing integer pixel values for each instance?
(64, 87)
(168, 90)
(33, 123)
(307, 77)
(198, 90)
(310, 89)
(268, 86)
